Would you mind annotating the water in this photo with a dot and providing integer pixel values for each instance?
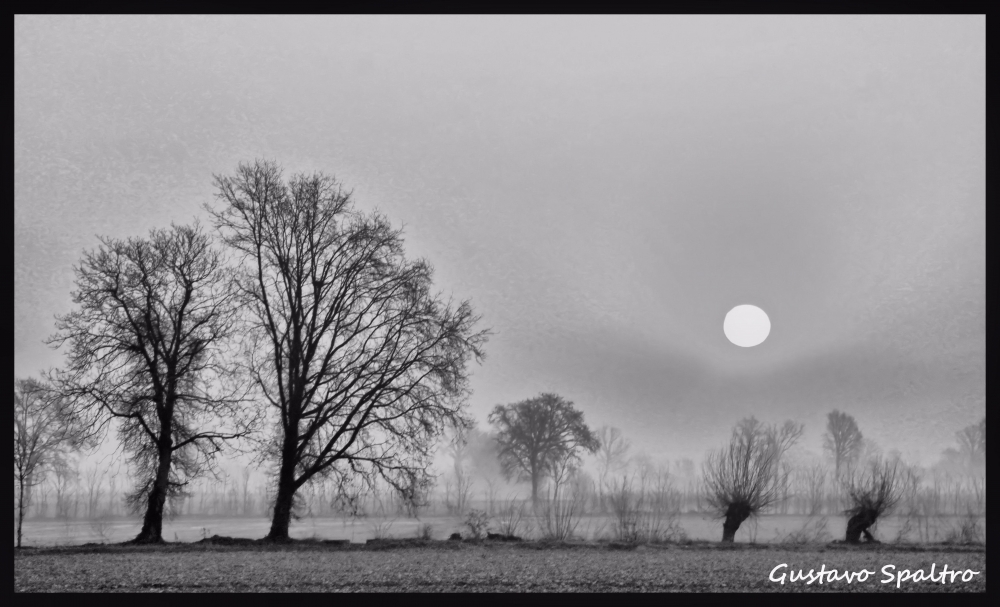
(764, 529)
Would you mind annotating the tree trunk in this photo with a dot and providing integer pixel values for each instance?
(858, 525)
(284, 499)
(152, 523)
(20, 509)
(735, 515)
(534, 490)
(282, 512)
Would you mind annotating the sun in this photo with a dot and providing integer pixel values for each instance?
(746, 326)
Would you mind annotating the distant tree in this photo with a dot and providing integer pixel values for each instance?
(744, 477)
(612, 455)
(972, 444)
(810, 478)
(842, 440)
(44, 429)
(783, 437)
(540, 437)
(642, 462)
(867, 451)
(471, 449)
(94, 478)
(684, 468)
(464, 446)
(361, 365)
(147, 349)
(873, 490)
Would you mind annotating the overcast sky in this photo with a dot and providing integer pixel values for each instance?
(604, 189)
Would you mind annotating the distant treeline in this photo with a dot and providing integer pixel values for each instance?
(75, 493)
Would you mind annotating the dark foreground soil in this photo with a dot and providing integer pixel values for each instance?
(227, 565)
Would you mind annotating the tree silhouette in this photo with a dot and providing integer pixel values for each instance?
(44, 428)
(361, 365)
(972, 444)
(539, 437)
(873, 489)
(746, 476)
(842, 440)
(146, 348)
(612, 456)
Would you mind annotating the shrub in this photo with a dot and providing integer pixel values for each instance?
(559, 513)
(812, 531)
(968, 531)
(425, 531)
(477, 521)
(380, 528)
(644, 511)
(510, 519)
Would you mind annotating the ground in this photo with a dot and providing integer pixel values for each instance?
(432, 566)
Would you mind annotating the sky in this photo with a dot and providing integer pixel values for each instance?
(604, 189)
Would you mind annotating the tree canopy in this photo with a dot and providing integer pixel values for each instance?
(540, 435)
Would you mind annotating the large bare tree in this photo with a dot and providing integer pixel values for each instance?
(842, 440)
(361, 364)
(44, 428)
(147, 351)
(539, 437)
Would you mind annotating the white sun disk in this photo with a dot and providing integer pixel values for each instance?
(746, 326)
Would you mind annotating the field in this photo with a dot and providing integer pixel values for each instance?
(423, 566)
(765, 529)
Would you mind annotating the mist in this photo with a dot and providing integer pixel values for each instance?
(603, 190)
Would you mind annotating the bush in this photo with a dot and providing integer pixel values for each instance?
(559, 513)
(644, 511)
(510, 519)
(477, 521)
(425, 531)
(812, 531)
(380, 528)
(969, 531)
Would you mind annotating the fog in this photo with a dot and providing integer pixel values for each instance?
(604, 190)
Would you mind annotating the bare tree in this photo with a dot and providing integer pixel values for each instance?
(612, 456)
(469, 448)
(565, 497)
(146, 352)
(873, 490)
(843, 440)
(811, 485)
(361, 365)
(245, 491)
(867, 451)
(783, 438)
(744, 477)
(540, 436)
(972, 444)
(44, 428)
(95, 479)
(66, 478)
